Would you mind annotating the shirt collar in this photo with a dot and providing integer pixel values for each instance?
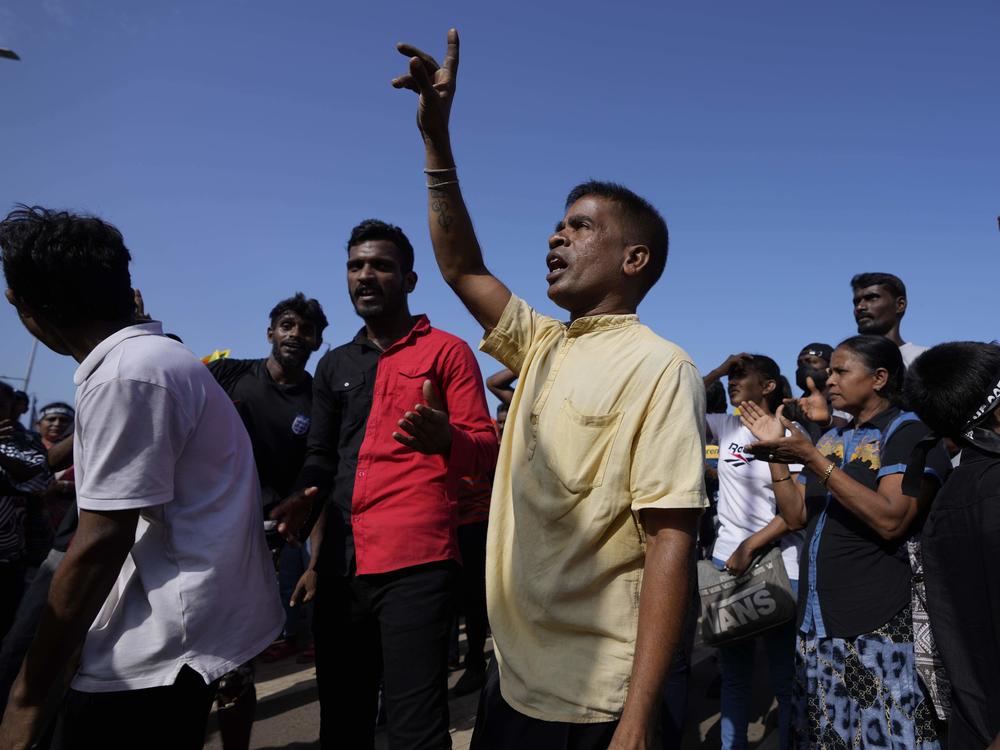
(421, 325)
(102, 350)
(879, 422)
(595, 323)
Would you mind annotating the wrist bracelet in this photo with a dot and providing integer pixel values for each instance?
(439, 185)
(441, 171)
(826, 474)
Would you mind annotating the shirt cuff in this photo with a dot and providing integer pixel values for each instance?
(499, 343)
(675, 500)
(122, 503)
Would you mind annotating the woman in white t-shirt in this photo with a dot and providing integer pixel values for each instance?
(748, 525)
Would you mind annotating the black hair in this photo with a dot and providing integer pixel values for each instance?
(67, 266)
(715, 398)
(7, 390)
(768, 369)
(876, 352)
(641, 219)
(946, 384)
(503, 407)
(22, 396)
(307, 309)
(373, 229)
(890, 281)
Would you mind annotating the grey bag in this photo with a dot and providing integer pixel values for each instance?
(740, 607)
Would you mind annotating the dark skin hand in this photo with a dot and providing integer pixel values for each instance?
(501, 385)
(293, 512)
(427, 428)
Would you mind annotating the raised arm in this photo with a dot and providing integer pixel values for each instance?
(455, 245)
(501, 385)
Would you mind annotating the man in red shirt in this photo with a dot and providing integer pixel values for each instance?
(399, 416)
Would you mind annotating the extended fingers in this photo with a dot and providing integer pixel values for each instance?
(451, 56)
(410, 51)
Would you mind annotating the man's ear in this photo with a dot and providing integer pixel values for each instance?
(900, 306)
(769, 386)
(410, 281)
(270, 335)
(636, 259)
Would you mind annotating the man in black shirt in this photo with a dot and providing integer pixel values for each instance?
(955, 388)
(274, 398)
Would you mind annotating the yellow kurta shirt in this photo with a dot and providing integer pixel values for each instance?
(607, 419)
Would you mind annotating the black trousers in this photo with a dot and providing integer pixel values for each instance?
(472, 545)
(394, 625)
(162, 718)
(501, 727)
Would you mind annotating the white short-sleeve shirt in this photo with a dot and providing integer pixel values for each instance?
(746, 496)
(154, 431)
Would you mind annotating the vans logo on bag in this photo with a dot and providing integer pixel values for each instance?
(748, 606)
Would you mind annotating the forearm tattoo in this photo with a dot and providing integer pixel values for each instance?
(441, 208)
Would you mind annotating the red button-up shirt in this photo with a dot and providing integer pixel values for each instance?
(391, 506)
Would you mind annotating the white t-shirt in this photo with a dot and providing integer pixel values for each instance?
(746, 498)
(911, 351)
(154, 431)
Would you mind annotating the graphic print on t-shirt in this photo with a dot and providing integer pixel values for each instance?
(737, 456)
(300, 425)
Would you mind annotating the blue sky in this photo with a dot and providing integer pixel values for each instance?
(789, 145)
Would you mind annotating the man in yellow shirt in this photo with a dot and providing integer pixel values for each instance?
(599, 482)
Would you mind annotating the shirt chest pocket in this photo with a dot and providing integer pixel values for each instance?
(409, 390)
(355, 399)
(577, 446)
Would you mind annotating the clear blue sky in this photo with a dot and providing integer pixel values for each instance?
(789, 145)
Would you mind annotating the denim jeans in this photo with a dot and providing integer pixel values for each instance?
(736, 661)
(292, 563)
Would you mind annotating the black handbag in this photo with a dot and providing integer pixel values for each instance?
(736, 607)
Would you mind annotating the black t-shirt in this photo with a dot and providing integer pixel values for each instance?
(276, 416)
(961, 549)
(862, 580)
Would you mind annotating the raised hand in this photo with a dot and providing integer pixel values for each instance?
(763, 424)
(427, 425)
(814, 405)
(791, 449)
(436, 86)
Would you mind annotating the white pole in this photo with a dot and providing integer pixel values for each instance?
(31, 363)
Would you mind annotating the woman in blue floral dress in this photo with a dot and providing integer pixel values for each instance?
(856, 680)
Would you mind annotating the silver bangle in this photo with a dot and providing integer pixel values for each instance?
(439, 185)
(441, 171)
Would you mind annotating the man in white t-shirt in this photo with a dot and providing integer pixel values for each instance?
(879, 306)
(168, 582)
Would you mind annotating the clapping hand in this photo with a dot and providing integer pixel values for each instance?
(427, 425)
(436, 86)
(791, 449)
(762, 423)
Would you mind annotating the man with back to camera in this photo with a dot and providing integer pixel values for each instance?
(879, 306)
(274, 399)
(399, 416)
(168, 568)
(590, 536)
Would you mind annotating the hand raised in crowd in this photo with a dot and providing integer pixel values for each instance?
(791, 449)
(723, 370)
(814, 405)
(436, 86)
(7, 429)
(427, 425)
(140, 315)
(293, 512)
(305, 589)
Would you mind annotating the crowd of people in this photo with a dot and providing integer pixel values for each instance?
(166, 531)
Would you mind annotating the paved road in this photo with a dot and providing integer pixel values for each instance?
(288, 711)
